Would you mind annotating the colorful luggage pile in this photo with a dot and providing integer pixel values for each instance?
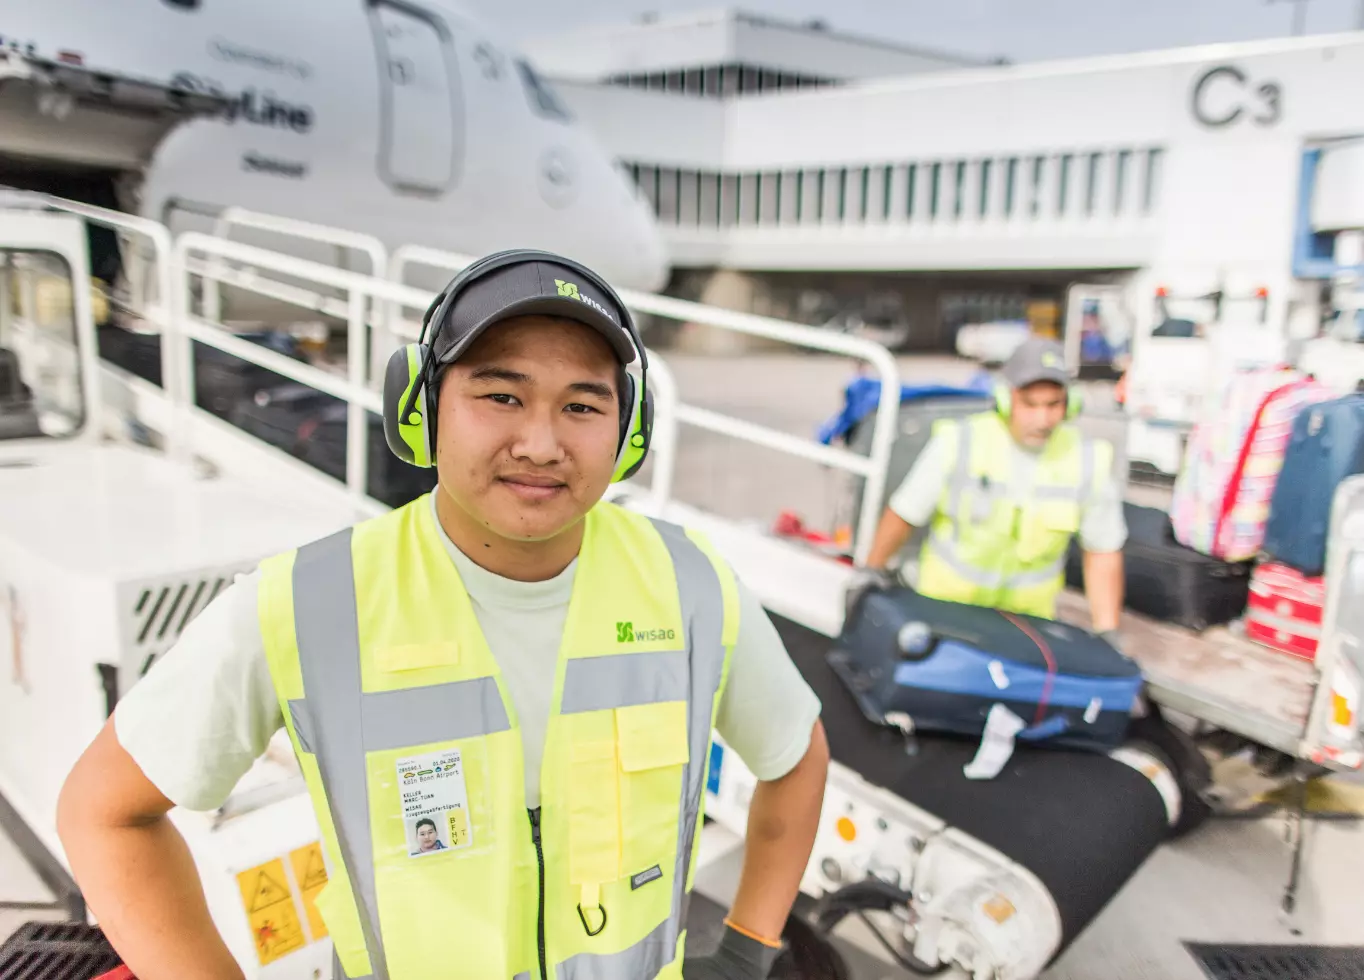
(1255, 492)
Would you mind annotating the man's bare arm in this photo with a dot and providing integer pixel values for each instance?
(135, 869)
(1104, 588)
(782, 820)
(891, 535)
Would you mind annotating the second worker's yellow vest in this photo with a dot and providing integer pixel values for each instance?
(999, 537)
(398, 716)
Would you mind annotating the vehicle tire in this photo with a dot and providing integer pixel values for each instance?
(1191, 770)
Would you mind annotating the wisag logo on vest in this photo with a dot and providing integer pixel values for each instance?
(626, 633)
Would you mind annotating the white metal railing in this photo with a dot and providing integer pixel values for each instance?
(407, 256)
(872, 468)
(360, 291)
(341, 239)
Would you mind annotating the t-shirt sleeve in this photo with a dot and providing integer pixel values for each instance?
(768, 710)
(1103, 527)
(207, 708)
(917, 496)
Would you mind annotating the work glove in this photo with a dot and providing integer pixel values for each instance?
(863, 581)
(736, 958)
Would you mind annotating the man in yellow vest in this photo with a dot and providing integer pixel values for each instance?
(1002, 493)
(528, 669)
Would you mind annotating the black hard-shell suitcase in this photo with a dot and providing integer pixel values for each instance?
(221, 380)
(311, 426)
(1167, 581)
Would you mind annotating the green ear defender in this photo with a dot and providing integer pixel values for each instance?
(410, 402)
(1004, 402)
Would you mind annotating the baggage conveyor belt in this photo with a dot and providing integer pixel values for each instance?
(1081, 822)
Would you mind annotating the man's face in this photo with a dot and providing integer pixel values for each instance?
(529, 421)
(1037, 410)
(426, 837)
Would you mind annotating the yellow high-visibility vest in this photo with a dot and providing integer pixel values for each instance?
(398, 713)
(998, 541)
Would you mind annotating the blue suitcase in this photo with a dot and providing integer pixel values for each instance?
(1326, 446)
(945, 664)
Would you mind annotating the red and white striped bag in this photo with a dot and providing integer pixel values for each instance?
(1284, 610)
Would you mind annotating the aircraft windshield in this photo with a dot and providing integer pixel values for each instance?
(543, 99)
(40, 378)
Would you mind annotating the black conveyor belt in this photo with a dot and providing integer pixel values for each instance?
(1080, 821)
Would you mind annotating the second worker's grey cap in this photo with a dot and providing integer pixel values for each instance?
(537, 286)
(1036, 359)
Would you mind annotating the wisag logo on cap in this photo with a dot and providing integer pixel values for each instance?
(570, 289)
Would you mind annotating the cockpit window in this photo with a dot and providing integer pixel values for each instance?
(40, 376)
(183, 4)
(543, 101)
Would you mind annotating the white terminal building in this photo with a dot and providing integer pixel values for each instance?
(769, 149)
(830, 178)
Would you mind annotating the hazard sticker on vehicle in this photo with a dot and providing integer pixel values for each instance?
(435, 803)
(269, 904)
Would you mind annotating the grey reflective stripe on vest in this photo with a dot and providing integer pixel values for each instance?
(961, 473)
(326, 627)
(1086, 468)
(327, 634)
(945, 550)
(439, 713)
(339, 973)
(620, 680)
(703, 618)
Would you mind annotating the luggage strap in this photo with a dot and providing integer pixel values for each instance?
(1234, 484)
(1047, 685)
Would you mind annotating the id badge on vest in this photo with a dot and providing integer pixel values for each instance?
(435, 803)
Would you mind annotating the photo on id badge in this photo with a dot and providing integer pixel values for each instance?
(435, 803)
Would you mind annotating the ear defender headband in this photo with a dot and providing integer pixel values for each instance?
(1004, 403)
(410, 399)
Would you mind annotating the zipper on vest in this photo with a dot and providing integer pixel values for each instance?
(540, 860)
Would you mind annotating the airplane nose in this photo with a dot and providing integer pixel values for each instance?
(648, 258)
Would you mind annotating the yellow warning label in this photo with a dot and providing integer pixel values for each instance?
(999, 908)
(270, 910)
(311, 874)
(459, 827)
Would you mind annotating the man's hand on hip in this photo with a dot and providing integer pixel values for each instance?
(738, 957)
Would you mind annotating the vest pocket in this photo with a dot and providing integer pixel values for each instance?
(653, 754)
(1047, 528)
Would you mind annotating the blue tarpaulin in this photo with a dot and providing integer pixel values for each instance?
(863, 394)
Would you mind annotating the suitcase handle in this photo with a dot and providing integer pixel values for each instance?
(1053, 726)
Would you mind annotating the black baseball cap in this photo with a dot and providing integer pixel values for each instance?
(536, 286)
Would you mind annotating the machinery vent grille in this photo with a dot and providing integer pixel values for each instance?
(56, 951)
(161, 614)
(1279, 962)
(156, 611)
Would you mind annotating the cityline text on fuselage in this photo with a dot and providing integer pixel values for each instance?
(260, 108)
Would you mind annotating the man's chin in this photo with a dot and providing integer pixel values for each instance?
(532, 524)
